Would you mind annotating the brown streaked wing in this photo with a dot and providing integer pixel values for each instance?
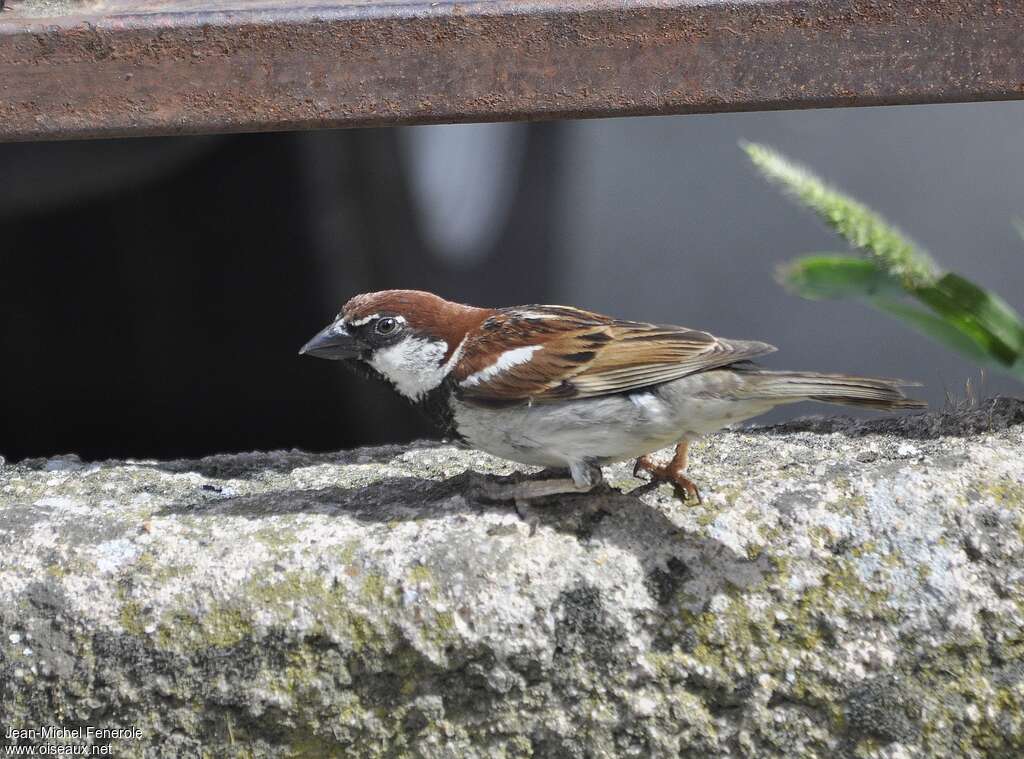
(584, 355)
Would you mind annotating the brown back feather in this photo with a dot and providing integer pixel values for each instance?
(582, 354)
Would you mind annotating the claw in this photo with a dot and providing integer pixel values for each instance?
(671, 472)
(687, 489)
(525, 514)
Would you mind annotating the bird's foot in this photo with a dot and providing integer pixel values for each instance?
(672, 472)
(524, 488)
(530, 490)
(527, 491)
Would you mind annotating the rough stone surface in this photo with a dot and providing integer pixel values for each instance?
(846, 589)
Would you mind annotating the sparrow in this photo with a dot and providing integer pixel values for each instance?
(561, 387)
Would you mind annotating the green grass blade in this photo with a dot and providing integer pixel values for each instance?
(939, 330)
(987, 308)
(829, 276)
(961, 315)
(979, 313)
(858, 224)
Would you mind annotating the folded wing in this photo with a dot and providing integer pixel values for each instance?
(546, 353)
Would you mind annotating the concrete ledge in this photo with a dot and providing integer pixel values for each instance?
(846, 588)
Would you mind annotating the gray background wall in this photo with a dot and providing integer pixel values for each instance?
(154, 291)
(665, 219)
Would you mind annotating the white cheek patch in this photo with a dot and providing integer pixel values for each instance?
(414, 365)
(506, 360)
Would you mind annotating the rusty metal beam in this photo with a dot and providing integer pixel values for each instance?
(99, 68)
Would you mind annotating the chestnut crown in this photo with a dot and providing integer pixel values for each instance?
(410, 337)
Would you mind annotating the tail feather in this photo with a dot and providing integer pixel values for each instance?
(866, 392)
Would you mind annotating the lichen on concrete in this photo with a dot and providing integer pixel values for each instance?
(847, 588)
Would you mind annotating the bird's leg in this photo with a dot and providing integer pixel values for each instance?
(673, 471)
(584, 477)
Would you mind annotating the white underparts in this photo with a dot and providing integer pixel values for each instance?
(609, 428)
(413, 365)
(506, 360)
(647, 403)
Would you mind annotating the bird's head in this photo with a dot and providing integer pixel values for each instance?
(410, 337)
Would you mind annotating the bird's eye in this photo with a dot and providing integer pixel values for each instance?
(386, 326)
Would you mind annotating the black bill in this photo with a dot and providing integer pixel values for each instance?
(332, 342)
